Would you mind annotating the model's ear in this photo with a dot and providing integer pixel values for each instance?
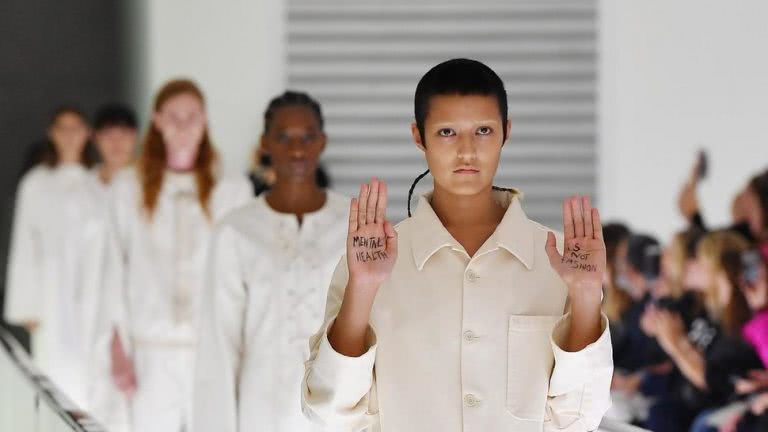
(417, 137)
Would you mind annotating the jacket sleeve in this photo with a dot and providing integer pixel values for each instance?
(579, 388)
(338, 392)
(23, 283)
(220, 344)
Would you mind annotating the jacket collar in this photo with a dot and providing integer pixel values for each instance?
(513, 234)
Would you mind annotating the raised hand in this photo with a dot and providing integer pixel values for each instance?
(687, 201)
(371, 255)
(372, 240)
(583, 263)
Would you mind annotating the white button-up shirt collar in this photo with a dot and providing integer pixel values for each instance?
(512, 234)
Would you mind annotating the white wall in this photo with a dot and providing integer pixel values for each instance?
(233, 50)
(676, 76)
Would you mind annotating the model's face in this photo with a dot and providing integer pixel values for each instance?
(181, 121)
(116, 145)
(294, 142)
(464, 136)
(69, 134)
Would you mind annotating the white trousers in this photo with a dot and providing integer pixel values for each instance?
(163, 398)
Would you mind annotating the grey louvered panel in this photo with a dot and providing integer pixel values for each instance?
(549, 109)
(420, 9)
(351, 89)
(345, 70)
(514, 49)
(363, 58)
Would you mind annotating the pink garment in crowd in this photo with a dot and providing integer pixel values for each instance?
(756, 333)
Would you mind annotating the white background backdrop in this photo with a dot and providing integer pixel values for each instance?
(676, 76)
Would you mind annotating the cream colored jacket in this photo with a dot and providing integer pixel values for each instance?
(460, 343)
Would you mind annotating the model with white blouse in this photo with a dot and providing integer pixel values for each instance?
(45, 286)
(268, 277)
(467, 316)
(163, 215)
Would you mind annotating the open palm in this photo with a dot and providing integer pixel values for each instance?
(371, 240)
(582, 265)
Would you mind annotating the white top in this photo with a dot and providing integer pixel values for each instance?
(460, 343)
(162, 259)
(267, 283)
(57, 217)
(98, 187)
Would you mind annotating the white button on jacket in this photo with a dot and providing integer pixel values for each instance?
(460, 343)
(264, 297)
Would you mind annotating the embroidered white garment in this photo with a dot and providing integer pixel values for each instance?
(460, 343)
(267, 283)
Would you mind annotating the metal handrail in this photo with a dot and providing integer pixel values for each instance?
(79, 421)
(45, 390)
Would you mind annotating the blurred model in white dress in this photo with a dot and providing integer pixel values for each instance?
(163, 214)
(45, 289)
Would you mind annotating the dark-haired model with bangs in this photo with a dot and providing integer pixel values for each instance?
(467, 316)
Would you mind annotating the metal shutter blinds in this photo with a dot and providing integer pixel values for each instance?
(362, 59)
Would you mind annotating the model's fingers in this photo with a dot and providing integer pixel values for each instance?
(578, 217)
(362, 202)
(568, 230)
(373, 197)
(353, 215)
(597, 224)
(381, 206)
(587, 210)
